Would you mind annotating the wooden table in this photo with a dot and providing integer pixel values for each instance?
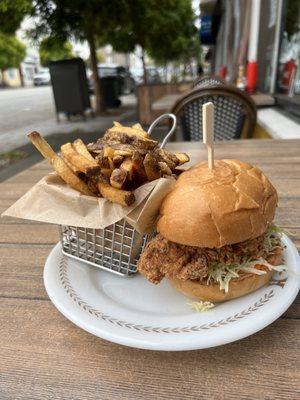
(44, 356)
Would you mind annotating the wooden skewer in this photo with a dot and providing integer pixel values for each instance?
(208, 131)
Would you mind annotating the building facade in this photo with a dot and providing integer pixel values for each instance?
(257, 41)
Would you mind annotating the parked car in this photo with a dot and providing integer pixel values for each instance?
(153, 75)
(125, 81)
(42, 77)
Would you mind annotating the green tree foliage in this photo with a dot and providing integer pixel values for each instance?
(12, 13)
(174, 35)
(80, 19)
(51, 50)
(12, 52)
(164, 29)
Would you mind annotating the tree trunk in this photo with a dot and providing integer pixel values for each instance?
(21, 76)
(3, 84)
(144, 67)
(100, 106)
(166, 72)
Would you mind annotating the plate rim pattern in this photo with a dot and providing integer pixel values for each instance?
(65, 282)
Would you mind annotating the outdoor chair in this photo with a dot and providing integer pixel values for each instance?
(208, 81)
(235, 112)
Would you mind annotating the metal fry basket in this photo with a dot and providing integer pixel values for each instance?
(116, 248)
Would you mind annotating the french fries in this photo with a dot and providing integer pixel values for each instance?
(109, 151)
(90, 168)
(165, 169)
(118, 178)
(69, 177)
(127, 135)
(167, 157)
(71, 166)
(117, 160)
(182, 158)
(129, 131)
(113, 166)
(117, 124)
(128, 166)
(137, 126)
(124, 153)
(122, 197)
(151, 167)
(106, 172)
(43, 147)
(59, 164)
(144, 143)
(103, 161)
(81, 148)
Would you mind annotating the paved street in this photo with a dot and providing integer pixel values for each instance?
(23, 110)
(25, 106)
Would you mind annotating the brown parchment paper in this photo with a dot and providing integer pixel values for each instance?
(52, 201)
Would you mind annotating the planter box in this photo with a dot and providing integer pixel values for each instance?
(148, 94)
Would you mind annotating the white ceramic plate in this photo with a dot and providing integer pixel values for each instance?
(133, 312)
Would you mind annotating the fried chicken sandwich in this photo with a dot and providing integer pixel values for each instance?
(216, 238)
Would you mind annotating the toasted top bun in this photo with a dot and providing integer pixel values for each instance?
(231, 203)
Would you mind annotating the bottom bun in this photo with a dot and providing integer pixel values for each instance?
(237, 287)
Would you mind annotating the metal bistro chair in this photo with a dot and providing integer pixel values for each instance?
(234, 110)
(208, 81)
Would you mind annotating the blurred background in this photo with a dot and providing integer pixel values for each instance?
(72, 67)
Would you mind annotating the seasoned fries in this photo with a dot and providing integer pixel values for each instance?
(115, 165)
(128, 166)
(103, 161)
(117, 160)
(165, 169)
(130, 131)
(69, 177)
(123, 197)
(151, 167)
(90, 168)
(182, 158)
(43, 147)
(118, 178)
(108, 151)
(127, 135)
(137, 126)
(71, 166)
(81, 148)
(117, 124)
(58, 164)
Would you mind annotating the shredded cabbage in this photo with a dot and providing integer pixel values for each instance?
(223, 274)
(277, 229)
(200, 306)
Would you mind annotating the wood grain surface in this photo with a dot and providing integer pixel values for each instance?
(44, 356)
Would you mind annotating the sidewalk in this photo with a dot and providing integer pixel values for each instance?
(57, 134)
(42, 119)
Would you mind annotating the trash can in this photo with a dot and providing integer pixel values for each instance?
(70, 87)
(110, 91)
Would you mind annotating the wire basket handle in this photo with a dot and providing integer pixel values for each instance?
(171, 131)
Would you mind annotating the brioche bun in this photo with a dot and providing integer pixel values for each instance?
(231, 203)
(238, 287)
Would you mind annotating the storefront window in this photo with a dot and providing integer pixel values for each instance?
(289, 59)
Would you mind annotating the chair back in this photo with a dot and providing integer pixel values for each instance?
(207, 81)
(233, 109)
